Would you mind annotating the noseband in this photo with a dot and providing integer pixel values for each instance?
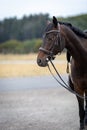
(57, 43)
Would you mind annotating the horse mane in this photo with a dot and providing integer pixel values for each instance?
(76, 30)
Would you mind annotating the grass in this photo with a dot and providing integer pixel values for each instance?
(18, 57)
(26, 69)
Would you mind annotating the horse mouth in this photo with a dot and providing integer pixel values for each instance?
(43, 62)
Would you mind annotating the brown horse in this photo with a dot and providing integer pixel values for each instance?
(57, 36)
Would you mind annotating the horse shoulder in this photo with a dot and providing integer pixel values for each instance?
(79, 74)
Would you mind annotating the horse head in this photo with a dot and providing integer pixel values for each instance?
(53, 43)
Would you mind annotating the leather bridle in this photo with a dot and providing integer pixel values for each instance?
(55, 43)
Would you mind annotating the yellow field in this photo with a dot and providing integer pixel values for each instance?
(26, 69)
(18, 57)
(26, 57)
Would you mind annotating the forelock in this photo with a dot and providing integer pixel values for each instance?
(49, 27)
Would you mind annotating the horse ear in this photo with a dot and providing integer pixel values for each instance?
(55, 21)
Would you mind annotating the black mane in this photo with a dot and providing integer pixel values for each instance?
(75, 29)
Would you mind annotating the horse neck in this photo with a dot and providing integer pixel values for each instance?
(73, 44)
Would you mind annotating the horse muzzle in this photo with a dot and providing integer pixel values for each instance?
(42, 62)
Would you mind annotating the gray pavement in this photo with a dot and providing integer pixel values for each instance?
(49, 108)
(26, 83)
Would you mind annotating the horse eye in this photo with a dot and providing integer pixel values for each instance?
(50, 39)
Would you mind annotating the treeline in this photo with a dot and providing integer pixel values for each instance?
(28, 27)
(24, 35)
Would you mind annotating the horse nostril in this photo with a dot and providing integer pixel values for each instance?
(39, 61)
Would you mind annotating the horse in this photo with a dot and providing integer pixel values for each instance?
(57, 36)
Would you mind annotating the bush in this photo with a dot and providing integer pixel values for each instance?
(14, 46)
(9, 46)
(37, 45)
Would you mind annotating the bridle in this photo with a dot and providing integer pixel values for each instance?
(56, 43)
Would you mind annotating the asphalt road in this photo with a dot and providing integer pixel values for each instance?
(49, 108)
(27, 83)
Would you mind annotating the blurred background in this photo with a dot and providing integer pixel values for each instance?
(21, 27)
(30, 99)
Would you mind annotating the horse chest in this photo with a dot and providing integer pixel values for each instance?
(81, 83)
(79, 75)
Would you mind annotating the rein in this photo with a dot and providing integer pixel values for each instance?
(63, 83)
